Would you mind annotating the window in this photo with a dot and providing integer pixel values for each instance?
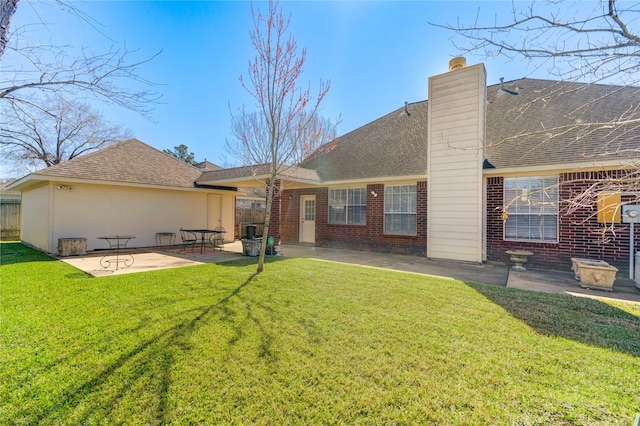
(532, 207)
(400, 210)
(348, 206)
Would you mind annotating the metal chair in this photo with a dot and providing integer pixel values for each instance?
(217, 238)
(188, 239)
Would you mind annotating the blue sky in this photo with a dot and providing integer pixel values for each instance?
(377, 55)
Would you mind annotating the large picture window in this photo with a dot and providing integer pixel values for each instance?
(400, 209)
(531, 204)
(348, 206)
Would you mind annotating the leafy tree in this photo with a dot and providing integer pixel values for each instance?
(286, 127)
(36, 136)
(181, 152)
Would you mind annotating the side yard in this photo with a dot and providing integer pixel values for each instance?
(305, 342)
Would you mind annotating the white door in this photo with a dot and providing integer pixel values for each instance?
(308, 219)
(214, 211)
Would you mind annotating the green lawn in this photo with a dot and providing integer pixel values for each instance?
(305, 342)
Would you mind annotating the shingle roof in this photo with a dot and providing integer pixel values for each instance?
(544, 124)
(396, 144)
(130, 161)
(393, 145)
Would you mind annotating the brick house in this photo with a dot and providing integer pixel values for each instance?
(470, 173)
(466, 175)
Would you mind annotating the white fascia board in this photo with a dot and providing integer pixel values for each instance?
(242, 197)
(28, 181)
(374, 180)
(257, 179)
(563, 168)
(64, 180)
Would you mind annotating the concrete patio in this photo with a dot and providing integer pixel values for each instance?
(155, 258)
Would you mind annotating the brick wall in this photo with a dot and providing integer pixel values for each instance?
(369, 237)
(579, 233)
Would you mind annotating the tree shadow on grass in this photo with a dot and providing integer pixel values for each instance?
(150, 360)
(577, 318)
(248, 260)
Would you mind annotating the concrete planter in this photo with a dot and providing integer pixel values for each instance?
(598, 277)
(519, 258)
(73, 246)
(577, 261)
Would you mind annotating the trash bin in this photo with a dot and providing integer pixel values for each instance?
(251, 232)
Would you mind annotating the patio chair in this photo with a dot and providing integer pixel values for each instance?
(188, 239)
(217, 238)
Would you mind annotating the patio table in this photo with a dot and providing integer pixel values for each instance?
(203, 236)
(117, 243)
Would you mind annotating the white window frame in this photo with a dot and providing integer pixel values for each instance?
(531, 206)
(400, 203)
(346, 200)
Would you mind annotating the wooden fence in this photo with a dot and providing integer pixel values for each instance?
(10, 219)
(246, 217)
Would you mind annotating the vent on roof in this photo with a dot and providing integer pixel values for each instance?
(457, 63)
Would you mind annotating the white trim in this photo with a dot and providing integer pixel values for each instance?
(561, 168)
(259, 179)
(38, 180)
(376, 180)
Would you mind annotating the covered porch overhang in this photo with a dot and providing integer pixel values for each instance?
(252, 176)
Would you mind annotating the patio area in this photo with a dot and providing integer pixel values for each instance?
(153, 258)
(149, 259)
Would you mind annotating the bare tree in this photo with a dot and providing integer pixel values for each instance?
(574, 43)
(31, 69)
(286, 127)
(7, 9)
(36, 136)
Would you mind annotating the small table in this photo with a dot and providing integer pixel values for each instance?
(160, 235)
(203, 235)
(116, 243)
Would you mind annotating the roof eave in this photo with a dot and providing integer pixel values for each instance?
(250, 181)
(35, 179)
(564, 167)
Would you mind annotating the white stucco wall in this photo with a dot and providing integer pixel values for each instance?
(92, 210)
(34, 217)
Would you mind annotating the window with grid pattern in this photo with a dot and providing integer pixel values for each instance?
(400, 209)
(348, 206)
(532, 207)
